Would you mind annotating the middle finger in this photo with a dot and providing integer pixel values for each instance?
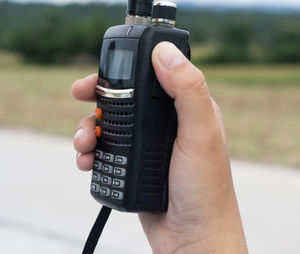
(85, 139)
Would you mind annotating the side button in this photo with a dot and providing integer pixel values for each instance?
(98, 131)
(99, 113)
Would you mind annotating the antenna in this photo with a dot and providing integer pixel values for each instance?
(142, 8)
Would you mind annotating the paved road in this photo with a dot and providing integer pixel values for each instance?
(46, 206)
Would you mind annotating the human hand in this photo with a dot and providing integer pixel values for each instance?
(203, 215)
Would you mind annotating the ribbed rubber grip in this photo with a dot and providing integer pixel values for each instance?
(164, 12)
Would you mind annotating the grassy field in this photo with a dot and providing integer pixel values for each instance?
(260, 103)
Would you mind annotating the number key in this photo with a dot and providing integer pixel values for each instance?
(108, 157)
(119, 171)
(121, 160)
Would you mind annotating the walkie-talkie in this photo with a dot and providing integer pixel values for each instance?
(136, 120)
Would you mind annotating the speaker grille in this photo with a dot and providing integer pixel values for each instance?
(117, 121)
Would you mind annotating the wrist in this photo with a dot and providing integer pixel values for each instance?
(226, 238)
(220, 234)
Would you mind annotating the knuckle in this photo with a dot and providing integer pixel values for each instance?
(200, 80)
(200, 77)
(197, 83)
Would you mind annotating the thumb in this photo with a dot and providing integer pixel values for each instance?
(186, 84)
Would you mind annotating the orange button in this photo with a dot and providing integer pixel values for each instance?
(98, 113)
(98, 131)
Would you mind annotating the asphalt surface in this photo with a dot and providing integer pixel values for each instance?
(45, 205)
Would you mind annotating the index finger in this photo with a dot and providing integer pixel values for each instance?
(85, 89)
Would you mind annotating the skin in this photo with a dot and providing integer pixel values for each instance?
(203, 215)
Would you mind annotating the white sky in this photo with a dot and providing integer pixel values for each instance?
(290, 3)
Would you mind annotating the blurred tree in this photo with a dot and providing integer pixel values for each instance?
(55, 39)
(234, 44)
(285, 46)
(50, 34)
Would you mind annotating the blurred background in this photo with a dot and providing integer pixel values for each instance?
(250, 55)
(248, 50)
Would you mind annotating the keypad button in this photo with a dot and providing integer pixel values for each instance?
(119, 171)
(96, 176)
(117, 195)
(98, 154)
(121, 160)
(106, 180)
(118, 183)
(108, 157)
(98, 165)
(105, 191)
(95, 187)
(107, 169)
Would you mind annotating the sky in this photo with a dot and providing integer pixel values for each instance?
(288, 3)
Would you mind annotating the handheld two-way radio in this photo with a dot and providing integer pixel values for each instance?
(136, 120)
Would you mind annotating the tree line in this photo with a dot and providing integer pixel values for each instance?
(52, 34)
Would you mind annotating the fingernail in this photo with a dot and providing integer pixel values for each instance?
(170, 56)
(78, 133)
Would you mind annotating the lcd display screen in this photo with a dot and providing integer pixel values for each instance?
(118, 64)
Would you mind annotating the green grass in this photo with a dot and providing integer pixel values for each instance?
(253, 75)
(39, 98)
(260, 103)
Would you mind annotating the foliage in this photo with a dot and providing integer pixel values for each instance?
(49, 34)
(235, 45)
(286, 47)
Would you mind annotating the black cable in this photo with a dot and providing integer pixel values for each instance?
(96, 231)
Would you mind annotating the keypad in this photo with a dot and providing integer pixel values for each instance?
(118, 183)
(105, 191)
(121, 160)
(109, 180)
(95, 187)
(108, 157)
(119, 171)
(98, 165)
(96, 176)
(106, 180)
(117, 195)
(107, 169)
(98, 154)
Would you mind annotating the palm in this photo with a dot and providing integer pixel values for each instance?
(189, 186)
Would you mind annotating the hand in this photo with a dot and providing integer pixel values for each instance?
(203, 215)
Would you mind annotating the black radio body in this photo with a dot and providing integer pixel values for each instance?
(136, 119)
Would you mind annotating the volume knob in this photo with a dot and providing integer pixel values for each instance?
(164, 12)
